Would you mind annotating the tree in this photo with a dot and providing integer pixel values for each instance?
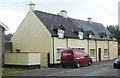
(114, 30)
(8, 37)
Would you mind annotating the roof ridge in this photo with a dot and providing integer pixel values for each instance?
(67, 17)
(48, 13)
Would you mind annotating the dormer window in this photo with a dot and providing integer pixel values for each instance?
(59, 30)
(78, 32)
(60, 33)
(111, 36)
(80, 35)
(91, 36)
(103, 35)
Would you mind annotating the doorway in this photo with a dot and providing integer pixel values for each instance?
(48, 58)
(99, 54)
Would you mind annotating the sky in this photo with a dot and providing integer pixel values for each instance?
(12, 12)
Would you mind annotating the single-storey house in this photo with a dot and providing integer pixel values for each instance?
(44, 35)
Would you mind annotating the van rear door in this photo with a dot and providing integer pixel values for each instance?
(66, 57)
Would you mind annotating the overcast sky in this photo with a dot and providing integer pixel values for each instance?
(12, 12)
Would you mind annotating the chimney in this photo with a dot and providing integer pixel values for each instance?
(89, 19)
(63, 13)
(32, 6)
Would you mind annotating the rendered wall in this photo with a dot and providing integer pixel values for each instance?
(92, 45)
(58, 43)
(103, 45)
(32, 36)
(113, 46)
(76, 43)
(22, 58)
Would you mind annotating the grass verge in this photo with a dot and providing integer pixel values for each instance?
(12, 71)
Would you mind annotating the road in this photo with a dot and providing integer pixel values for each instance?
(97, 69)
(101, 69)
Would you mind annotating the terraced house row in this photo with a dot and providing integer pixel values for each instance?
(42, 36)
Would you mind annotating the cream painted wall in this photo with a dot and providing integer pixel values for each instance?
(32, 36)
(92, 45)
(103, 45)
(113, 49)
(76, 43)
(44, 59)
(34, 58)
(58, 43)
(22, 58)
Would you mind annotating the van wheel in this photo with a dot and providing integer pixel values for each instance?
(77, 65)
(64, 66)
(89, 63)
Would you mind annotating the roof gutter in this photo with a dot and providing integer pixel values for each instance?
(4, 26)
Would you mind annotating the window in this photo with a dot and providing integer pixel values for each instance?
(105, 52)
(78, 54)
(7, 50)
(92, 53)
(80, 35)
(85, 54)
(60, 33)
(91, 36)
(59, 54)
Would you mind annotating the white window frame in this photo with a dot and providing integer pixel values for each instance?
(60, 33)
(105, 52)
(80, 35)
(58, 54)
(92, 55)
(91, 36)
(78, 48)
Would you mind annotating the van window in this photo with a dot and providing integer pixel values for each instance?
(78, 54)
(85, 54)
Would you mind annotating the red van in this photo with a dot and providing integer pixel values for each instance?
(75, 57)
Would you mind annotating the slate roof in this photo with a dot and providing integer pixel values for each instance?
(70, 26)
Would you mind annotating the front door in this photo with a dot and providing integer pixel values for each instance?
(99, 54)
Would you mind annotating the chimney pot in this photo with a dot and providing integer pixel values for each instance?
(89, 19)
(63, 13)
(32, 6)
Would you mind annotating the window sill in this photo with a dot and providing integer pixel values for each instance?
(58, 59)
(105, 56)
